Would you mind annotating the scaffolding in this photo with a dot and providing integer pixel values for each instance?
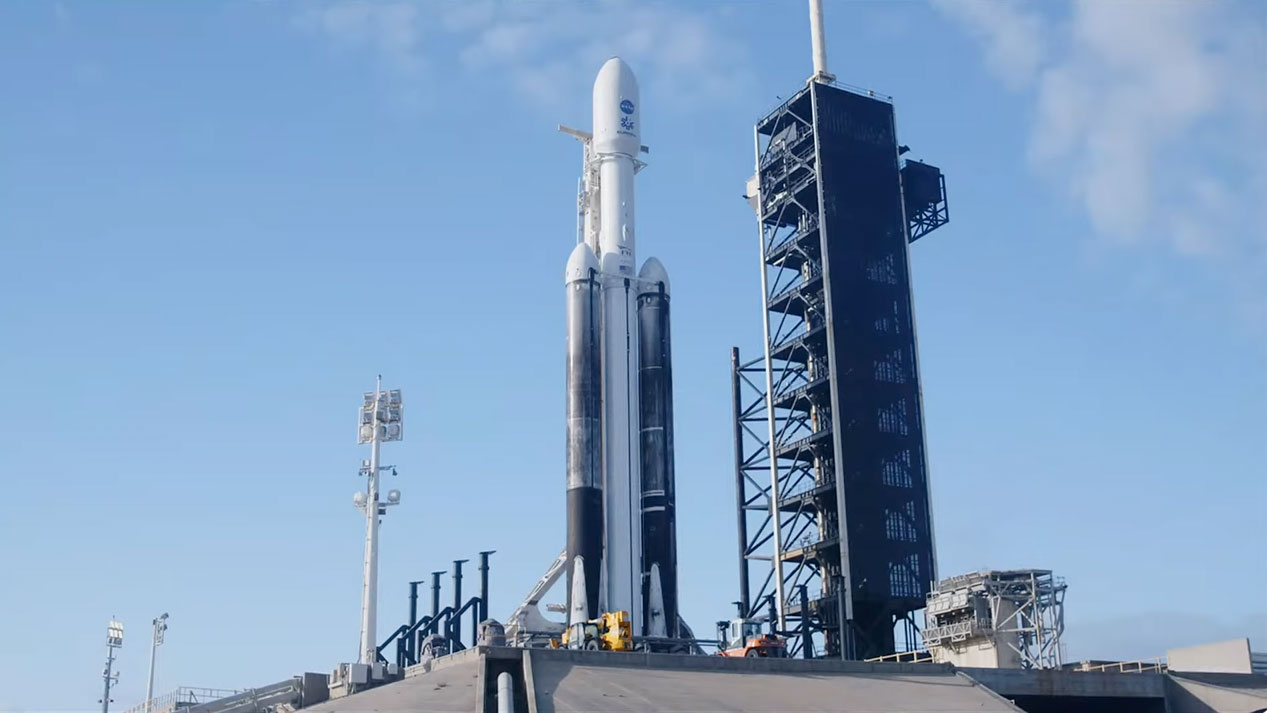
(997, 619)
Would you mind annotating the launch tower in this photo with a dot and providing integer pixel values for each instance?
(832, 480)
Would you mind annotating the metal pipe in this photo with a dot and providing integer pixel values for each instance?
(435, 594)
(776, 525)
(457, 584)
(807, 638)
(818, 41)
(410, 650)
(845, 634)
(413, 603)
(505, 693)
(406, 646)
(739, 499)
(456, 617)
(484, 583)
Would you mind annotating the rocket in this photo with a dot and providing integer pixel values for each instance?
(621, 530)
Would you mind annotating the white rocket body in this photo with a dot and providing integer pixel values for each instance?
(631, 567)
(615, 148)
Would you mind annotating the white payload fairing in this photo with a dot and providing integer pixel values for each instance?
(621, 547)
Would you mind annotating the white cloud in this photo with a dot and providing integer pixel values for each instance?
(1151, 114)
(548, 51)
(1014, 42)
(391, 29)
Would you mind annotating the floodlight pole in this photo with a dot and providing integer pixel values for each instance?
(160, 626)
(380, 421)
(114, 640)
(369, 593)
(110, 679)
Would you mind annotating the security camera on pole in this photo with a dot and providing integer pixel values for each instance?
(381, 420)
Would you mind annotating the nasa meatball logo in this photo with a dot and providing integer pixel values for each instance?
(626, 106)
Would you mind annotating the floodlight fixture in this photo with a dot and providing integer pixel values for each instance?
(160, 626)
(381, 417)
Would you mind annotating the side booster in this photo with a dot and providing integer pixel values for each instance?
(659, 519)
(585, 435)
(621, 532)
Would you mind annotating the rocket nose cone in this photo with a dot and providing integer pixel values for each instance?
(581, 264)
(617, 113)
(652, 275)
(616, 71)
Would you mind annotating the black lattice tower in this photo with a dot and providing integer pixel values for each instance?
(829, 421)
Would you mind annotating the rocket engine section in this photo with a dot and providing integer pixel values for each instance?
(621, 546)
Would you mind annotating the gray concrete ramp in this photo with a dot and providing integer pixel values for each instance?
(631, 682)
(1216, 693)
(562, 681)
(449, 688)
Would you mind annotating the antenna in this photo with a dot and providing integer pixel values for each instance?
(819, 43)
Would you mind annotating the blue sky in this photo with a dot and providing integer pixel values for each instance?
(219, 221)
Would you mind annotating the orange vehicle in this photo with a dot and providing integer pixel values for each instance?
(743, 638)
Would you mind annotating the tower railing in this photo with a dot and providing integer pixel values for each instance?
(183, 697)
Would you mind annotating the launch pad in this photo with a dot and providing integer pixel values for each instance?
(561, 680)
(558, 681)
(834, 515)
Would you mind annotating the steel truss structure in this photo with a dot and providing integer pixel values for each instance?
(1021, 613)
(831, 484)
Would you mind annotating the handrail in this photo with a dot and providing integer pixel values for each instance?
(916, 656)
(1157, 665)
(182, 697)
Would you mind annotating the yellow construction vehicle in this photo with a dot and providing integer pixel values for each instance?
(610, 632)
